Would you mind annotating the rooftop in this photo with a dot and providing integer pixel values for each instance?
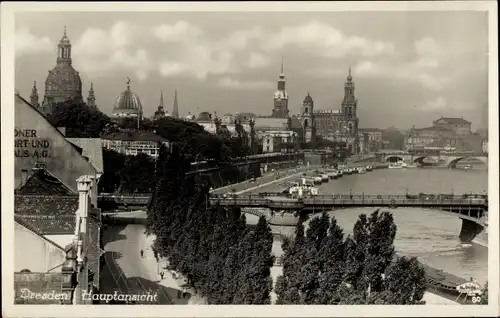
(453, 120)
(42, 182)
(134, 135)
(269, 122)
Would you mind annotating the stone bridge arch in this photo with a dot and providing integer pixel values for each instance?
(394, 158)
(420, 159)
(452, 161)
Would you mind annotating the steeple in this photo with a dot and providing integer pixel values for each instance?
(282, 72)
(34, 95)
(161, 101)
(349, 88)
(175, 110)
(64, 50)
(91, 98)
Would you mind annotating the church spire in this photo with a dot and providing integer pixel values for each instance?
(282, 71)
(91, 98)
(34, 95)
(64, 50)
(161, 100)
(175, 110)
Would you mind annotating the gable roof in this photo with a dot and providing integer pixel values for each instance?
(42, 182)
(453, 120)
(27, 226)
(92, 149)
(47, 214)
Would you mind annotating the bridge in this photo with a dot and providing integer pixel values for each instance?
(449, 159)
(286, 210)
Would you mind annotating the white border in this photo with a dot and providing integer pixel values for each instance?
(7, 128)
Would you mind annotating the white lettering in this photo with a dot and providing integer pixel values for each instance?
(53, 295)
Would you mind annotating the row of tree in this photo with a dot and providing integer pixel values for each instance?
(321, 266)
(224, 260)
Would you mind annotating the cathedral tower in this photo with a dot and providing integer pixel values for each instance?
(349, 114)
(307, 117)
(63, 82)
(34, 96)
(280, 109)
(91, 98)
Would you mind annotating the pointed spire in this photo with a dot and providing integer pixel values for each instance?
(64, 31)
(128, 83)
(34, 95)
(161, 99)
(175, 110)
(91, 97)
(282, 71)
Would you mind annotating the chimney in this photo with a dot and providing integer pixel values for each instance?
(84, 184)
(62, 130)
(24, 176)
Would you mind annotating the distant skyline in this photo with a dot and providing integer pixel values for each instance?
(409, 68)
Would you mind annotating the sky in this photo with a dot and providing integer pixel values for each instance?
(409, 68)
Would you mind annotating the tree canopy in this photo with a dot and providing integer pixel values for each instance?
(320, 266)
(223, 260)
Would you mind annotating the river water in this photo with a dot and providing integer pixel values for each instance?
(427, 234)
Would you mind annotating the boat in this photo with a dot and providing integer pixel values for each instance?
(468, 166)
(369, 168)
(411, 165)
(361, 170)
(324, 177)
(317, 180)
(395, 166)
(347, 171)
(303, 188)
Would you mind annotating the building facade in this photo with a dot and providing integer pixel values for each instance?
(341, 125)
(370, 139)
(446, 133)
(484, 146)
(276, 141)
(459, 125)
(132, 143)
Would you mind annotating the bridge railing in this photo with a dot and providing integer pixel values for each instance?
(348, 199)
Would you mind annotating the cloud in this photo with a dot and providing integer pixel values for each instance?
(178, 32)
(258, 60)
(28, 43)
(102, 52)
(229, 83)
(326, 41)
(434, 105)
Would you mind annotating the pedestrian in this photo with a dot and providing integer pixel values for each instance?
(142, 253)
(179, 293)
(161, 275)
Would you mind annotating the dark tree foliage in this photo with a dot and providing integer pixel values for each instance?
(255, 282)
(113, 164)
(79, 120)
(210, 245)
(138, 174)
(324, 268)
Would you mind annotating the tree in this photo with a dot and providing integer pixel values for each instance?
(254, 278)
(404, 283)
(79, 120)
(113, 163)
(138, 174)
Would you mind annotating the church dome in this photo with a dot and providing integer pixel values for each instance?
(204, 116)
(308, 99)
(63, 79)
(127, 104)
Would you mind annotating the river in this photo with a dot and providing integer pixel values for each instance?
(427, 234)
